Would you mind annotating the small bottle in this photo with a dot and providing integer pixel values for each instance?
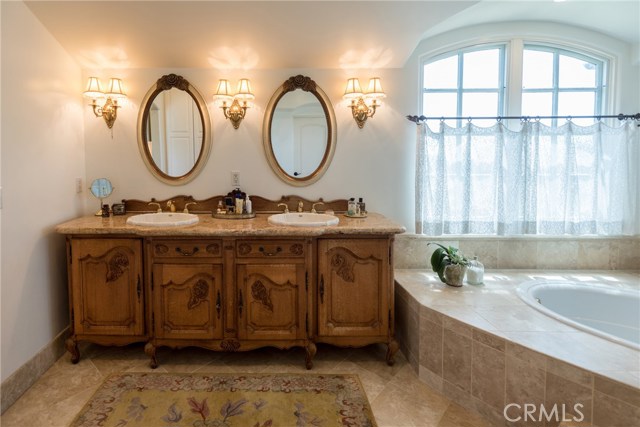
(221, 209)
(362, 206)
(239, 206)
(475, 272)
(351, 207)
(247, 204)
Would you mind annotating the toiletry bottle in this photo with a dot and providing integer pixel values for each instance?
(351, 207)
(475, 272)
(221, 208)
(247, 204)
(239, 206)
(362, 206)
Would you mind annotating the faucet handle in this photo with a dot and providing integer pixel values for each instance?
(186, 206)
(313, 207)
(286, 207)
(159, 210)
(171, 206)
(300, 206)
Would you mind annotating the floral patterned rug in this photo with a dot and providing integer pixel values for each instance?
(227, 400)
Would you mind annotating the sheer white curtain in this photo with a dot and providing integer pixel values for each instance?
(568, 179)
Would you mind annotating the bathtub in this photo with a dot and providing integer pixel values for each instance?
(605, 311)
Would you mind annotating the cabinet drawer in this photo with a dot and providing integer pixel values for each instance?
(186, 248)
(270, 249)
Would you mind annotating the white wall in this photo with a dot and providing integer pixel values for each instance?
(42, 154)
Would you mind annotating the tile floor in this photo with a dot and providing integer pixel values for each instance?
(398, 398)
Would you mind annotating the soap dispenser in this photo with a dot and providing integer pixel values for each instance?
(475, 272)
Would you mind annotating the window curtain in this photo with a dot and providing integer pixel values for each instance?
(569, 179)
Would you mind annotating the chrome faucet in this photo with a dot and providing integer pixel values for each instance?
(300, 206)
(171, 206)
(286, 208)
(313, 207)
(159, 210)
(186, 206)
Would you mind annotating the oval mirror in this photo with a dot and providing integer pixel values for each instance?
(174, 135)
(299, 131)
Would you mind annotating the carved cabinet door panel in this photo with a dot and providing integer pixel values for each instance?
(106, 287)
(187, 301)
(271, 301)
(353, 287)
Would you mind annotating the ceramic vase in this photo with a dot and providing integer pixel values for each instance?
(454, 274)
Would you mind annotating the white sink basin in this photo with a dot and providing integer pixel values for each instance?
(303, 219)
(164, 219)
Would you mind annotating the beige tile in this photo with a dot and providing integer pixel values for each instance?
(525, 384)
(490, 340)
(431, 346)
(430, 315)
(488, 375)
(617, 390)
(611, 412)
(458, 327)
(570, 372)
(457, 416)
(395, 406)
(485, 250)
(594, 254)
(517, 254)
(576, 399)
(431, 379)
(557, 254)
(456, 360)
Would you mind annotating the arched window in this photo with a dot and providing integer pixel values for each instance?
(547, 81)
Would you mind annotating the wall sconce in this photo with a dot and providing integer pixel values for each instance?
(363, 105)
(235, 106)
(108, 111)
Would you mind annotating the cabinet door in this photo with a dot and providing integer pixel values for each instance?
(353, 287)
(106, 286)
(187, 301)
(271, 301)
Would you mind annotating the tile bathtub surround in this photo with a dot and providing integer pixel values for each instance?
(484, 348)
(535, 252)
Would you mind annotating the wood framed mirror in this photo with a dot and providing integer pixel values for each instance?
(174, 130)
(299, 131)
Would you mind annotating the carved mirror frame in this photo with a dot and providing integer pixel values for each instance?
(307, 84)
(167, 82)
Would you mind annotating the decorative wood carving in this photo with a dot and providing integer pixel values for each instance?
(260, 293)
(297, 249)
(244, 249)
(230, 345)
(343, 267)
(299, 82)
(116, 266)
(161, 249)
(199, 293)
(213, 249)
(259, 204)
(168, 81)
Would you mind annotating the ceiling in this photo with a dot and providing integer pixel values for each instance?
(293, 34)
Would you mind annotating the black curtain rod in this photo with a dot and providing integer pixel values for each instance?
(417, 119)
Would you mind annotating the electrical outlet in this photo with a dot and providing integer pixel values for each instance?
(78, 185)
(235, 178)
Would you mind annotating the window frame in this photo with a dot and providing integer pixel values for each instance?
(512, 57)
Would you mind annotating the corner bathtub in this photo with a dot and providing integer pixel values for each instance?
(601, 310)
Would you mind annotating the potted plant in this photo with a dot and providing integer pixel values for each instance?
(450, 264)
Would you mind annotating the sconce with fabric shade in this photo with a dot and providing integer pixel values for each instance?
(234, 107)
(109, 110)
(363, 105)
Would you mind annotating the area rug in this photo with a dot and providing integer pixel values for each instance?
(227, 400)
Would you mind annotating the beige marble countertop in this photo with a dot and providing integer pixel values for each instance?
(374, 223)
(496, 308)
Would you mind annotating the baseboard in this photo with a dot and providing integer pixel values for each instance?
(23, 378)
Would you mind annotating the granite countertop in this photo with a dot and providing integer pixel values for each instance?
(208, 226)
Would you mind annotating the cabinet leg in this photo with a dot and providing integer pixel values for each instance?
(311, 352)
(150, 350)
(392, 349)
(72, 347)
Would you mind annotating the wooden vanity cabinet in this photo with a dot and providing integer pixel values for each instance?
(106, 292)
(187, 293)
(355, 292)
